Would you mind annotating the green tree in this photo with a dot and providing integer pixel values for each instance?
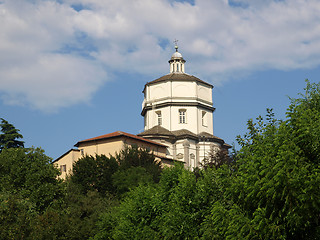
(175, 208)
(271, 191)
(16, 214)
(116, 175)
(133, 156)
(94, 173)
(28, 187)
(9, 136)
(217, 157)
(29, 173)
(274, 191)
(124, 180)
(74, 218)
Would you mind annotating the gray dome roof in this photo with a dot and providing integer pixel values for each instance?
(178, 77)
(176, 55)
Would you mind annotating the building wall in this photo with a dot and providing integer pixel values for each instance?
(170, 119)
(65, 163)
(207, 125)
(186, 93)
(106, 147)
(204, 92)
(113, 146)
(156, 150)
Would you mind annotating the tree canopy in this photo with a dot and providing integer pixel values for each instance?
(10, 135)
(270, 191)
(116, 175)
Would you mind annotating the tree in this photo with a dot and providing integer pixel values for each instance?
(139, 214)
(74, 218)
(28, 187)
(16, 215)
(175, 208)
(274, 191)
(217, 157)
(133, 156)
(271, 191)
(9, 136)
(94, 173)
(29, 173)
(124, 180)
(116, 175)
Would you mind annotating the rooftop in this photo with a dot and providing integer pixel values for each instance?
(178, 77)
(118, 134)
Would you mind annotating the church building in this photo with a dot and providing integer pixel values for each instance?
(178, 123)
(178, 112)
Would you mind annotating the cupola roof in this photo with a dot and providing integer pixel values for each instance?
(176, 61)
(179, 77)
(176, 54)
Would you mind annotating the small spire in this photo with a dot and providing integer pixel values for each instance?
(176, 44)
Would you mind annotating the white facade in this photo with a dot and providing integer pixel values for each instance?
(178, 112)
(180, 105)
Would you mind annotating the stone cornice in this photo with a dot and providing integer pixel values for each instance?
(177, 104)
(178, 98)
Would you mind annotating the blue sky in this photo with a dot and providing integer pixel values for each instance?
(75, 69)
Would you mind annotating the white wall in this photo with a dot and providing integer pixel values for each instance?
(184, 92)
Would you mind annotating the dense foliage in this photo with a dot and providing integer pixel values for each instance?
(10, 135)
(116, 175)
(270, 189)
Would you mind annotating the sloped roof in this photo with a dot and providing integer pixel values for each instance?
(161, 131)
(178, 77)
(184, 132)
(208, 135)
(157, 130)
(118, 134)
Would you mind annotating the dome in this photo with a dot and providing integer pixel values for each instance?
(176, 55)
(177, 62)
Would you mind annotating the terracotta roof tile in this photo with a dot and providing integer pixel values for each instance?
(118, 134)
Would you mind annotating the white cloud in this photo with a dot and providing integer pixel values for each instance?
(52, 82)
(55, 54)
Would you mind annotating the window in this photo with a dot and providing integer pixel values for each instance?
(82, 152)
(159, 117)
(204, 119)
(63, 168)
(182, 116)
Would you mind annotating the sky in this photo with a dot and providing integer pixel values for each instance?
(75, 69)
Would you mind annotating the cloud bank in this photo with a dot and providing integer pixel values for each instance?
(55, 54)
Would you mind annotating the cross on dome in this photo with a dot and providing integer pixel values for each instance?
(176, 62)
(176, 44)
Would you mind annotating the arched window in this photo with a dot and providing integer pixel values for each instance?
(182, 116)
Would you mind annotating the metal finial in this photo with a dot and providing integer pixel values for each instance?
(176, 44)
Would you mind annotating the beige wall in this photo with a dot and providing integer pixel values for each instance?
(66, 162)
(155, 149)
(106, 147)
